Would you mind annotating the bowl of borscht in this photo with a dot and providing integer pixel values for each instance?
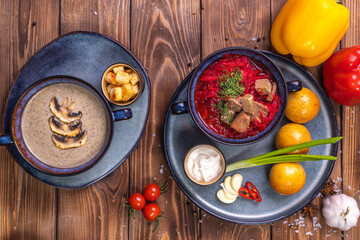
(238, 95)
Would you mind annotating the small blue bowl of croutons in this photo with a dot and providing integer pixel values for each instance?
(121, 84)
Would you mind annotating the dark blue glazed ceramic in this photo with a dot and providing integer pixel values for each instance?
(82, 55)
(271, 67)
(181, 134)
(17, 136)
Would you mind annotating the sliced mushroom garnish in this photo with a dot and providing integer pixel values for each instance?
(66, 129)
(63, 142)
(65, 111)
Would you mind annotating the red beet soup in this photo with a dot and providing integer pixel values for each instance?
(236, 97)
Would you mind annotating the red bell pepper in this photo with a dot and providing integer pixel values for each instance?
(342, 76)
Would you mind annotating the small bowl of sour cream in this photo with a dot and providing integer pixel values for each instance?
(204, 164)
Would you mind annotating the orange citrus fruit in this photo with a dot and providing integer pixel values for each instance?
(287, 178)
(303, 106)
(291, 134)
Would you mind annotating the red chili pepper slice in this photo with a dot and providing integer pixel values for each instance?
(253, 191)
(244, 192)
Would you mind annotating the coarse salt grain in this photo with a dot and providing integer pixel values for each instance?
(161, 170)
(308, 233)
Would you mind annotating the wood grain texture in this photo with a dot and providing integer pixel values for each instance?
(27, 206)
(351, 123)
(243, 23)
(96, 212)
(225, 24)
(168, 53)
(22, 196)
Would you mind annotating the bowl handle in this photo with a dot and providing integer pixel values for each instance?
(122, 114)
(6, 140)
(294, 86)
(179, 108)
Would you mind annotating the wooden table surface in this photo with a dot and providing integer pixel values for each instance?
(170, 38)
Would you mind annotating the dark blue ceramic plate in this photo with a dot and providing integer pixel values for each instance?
(181, 133)
(84, 55)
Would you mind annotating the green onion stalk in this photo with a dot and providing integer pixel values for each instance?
(276, 157)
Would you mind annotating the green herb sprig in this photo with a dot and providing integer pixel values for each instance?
(231, 85)
(225, 114)
(276, 157)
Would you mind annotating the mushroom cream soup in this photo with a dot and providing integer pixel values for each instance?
(38, 135)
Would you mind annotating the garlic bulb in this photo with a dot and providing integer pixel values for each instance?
(340, 211)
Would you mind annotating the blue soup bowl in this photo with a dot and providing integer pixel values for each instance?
(282, 87)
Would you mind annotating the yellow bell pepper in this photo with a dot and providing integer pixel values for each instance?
(309, 29)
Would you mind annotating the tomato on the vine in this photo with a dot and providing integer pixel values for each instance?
(151, 211)
(137, 201)
(151, 192)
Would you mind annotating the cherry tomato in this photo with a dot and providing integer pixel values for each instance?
(137, 201)
(151, 211)
(151, 192)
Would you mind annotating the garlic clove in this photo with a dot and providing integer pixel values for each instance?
(227, 193)
(222, 197)
(236, 181)
(228, 186)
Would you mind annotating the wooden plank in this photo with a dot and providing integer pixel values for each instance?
(283, 229)
(234, 23)
(28, 207)
(96, 212)
(351, 123)
(165, 35)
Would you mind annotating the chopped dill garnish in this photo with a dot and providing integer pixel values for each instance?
(231, 85)
(213, 107)
(226, 115)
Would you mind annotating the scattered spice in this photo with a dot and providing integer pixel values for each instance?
(329, 188)
(308, 211)
(33, 24)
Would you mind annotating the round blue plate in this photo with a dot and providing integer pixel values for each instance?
(84, 55)
(181, 134)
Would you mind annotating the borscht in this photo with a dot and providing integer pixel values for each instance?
(236, 97)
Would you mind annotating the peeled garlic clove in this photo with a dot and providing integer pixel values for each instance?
(222, 197)
(227, 193)
(236, 181)
(228, 186)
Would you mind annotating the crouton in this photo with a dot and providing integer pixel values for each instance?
(127, 91)
(115, 93)
(118, 69)
(122, 78)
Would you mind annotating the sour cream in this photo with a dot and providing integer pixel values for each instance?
(204, 163)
